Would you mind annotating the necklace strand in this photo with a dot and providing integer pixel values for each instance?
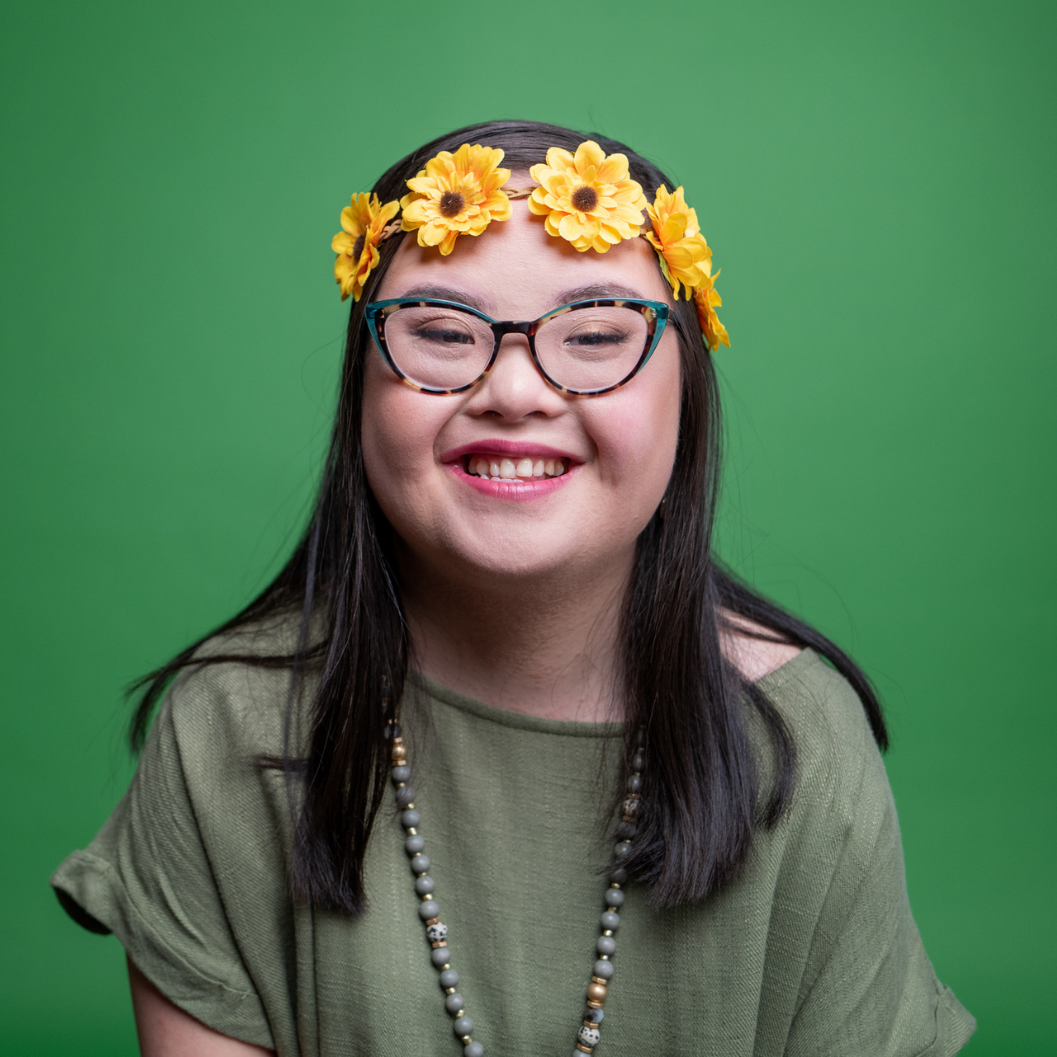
(589, 1035)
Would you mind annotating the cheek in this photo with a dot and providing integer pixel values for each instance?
(398, 433)
(638, 433)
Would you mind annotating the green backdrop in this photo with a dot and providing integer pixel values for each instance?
(877, 183)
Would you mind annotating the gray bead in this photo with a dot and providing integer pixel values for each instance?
(603, 970)
(606, 945)
(454, 1003)
(439, 956)
(473, 1049)
(621, 849)
(611, 921)
(413, 845)
(614, 897)
(638, 762)
(405, 796)
(640, 738)
(424, 885)
(428, 910)
(463, 1026)
(401, 772)
(449, 978)
(420, 864)
(410, 818)
(635, 784)
(619, 875)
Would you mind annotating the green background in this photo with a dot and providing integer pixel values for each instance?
(878, 186)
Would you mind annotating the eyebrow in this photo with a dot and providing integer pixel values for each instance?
(598, 290)
(445, 293)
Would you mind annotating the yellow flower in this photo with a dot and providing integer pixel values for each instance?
(677, 237)
(587, 198)
(708, 299)
(456, 194)
(357, 245)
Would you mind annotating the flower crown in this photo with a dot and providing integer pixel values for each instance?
(587, 198)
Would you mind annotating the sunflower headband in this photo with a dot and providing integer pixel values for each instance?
(588, 199)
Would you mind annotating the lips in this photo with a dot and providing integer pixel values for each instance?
(513, 464)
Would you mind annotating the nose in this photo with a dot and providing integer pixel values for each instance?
(514, 389)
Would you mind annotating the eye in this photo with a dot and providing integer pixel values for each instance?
(443, 332)
(596, 338)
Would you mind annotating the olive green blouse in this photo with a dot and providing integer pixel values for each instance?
(811, 951)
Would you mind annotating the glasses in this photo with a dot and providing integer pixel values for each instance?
(584, 348)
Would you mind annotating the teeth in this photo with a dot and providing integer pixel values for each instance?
(507, 469)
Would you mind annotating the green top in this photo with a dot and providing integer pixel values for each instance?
(812, 951)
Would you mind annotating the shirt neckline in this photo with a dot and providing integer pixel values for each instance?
(572, 728)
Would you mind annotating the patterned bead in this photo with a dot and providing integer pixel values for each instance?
(594, 1016)
(589, 1036)
(436, 933)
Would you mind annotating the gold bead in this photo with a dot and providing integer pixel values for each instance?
(598, 980)
(438, 943)
(431, 921)
(582, 1048)
(596, 993)
(399, 755)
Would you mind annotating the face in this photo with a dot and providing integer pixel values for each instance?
(423, 453)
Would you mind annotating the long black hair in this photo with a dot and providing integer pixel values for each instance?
(350, 660)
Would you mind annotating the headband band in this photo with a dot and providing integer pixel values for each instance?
(587, 198)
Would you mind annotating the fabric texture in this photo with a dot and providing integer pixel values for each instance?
(812, 951)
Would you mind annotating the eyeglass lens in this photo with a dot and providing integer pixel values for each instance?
(585, 348)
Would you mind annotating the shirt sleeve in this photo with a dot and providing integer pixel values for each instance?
(868, 986)
(148, 877)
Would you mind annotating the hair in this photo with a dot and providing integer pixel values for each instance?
(705, 798)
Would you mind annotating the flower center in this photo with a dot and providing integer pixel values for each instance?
(451, 204)
(357, 247)
(585, 199)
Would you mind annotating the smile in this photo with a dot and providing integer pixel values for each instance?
(498, 468)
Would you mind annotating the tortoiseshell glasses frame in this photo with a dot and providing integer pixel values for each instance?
(654, 313)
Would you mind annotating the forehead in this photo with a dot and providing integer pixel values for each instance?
(515, 270)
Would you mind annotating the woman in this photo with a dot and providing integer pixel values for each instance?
(504, 654)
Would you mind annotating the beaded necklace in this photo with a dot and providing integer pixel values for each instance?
(588, 1036)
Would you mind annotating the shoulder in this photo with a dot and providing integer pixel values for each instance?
(231, 700)
(839, 771)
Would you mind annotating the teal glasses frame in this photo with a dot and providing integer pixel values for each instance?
(655, 312)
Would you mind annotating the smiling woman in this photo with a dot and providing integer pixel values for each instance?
(506, 615)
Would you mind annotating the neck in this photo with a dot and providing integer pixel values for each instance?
(546, 646)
